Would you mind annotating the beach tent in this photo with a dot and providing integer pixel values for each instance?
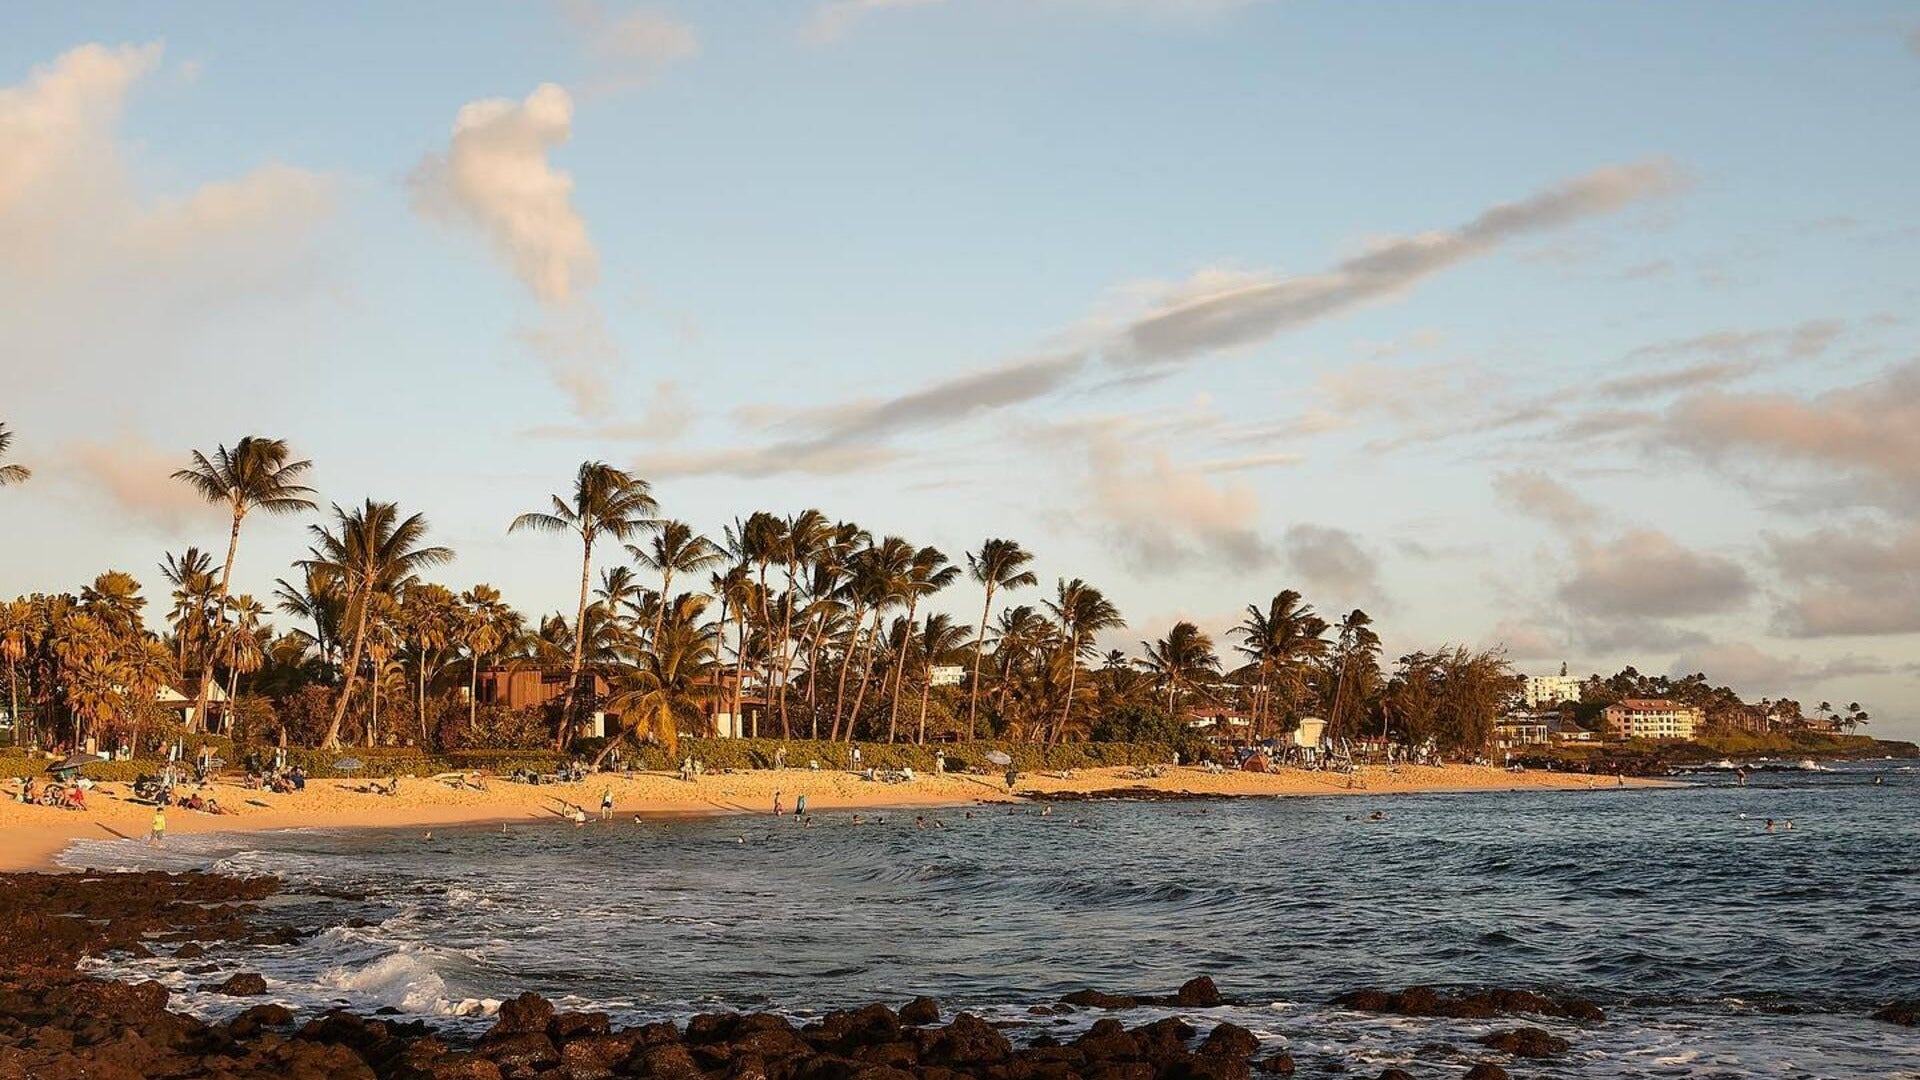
(999, 758)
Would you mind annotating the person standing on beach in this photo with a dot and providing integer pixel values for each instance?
(606, 804)
(800, 805)
(157, 835)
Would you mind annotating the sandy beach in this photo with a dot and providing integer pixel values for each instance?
(32, 836)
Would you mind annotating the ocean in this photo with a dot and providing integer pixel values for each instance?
(1719, 949)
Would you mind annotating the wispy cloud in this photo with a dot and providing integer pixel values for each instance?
(1212, 312)
(628, 49)
(833, 20)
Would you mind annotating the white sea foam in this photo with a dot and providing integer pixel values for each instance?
(404, 980)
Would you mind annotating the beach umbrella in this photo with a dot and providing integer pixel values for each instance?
(71, 762)
(999, 757)
(347, 764)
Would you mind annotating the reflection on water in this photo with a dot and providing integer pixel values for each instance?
(1719, 948)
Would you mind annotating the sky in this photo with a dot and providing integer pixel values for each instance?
(1584, 330)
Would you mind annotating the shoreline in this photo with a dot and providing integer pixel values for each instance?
(32, 838)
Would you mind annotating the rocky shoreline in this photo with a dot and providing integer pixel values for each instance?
(58, 1024)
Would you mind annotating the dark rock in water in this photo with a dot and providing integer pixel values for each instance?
(1905, 1013)
(920, 1011)
(192, 950)
(1280, 1064)
(667, 1062)
(968, 1040)
(574, 1025)
(1106, 1040)
(1478, 1005)
(1040, 1010)
(245, 984)
(525, 1015)
(1394, 1074)
(1526, 1042)
(1230, 1040)
(250, 1023)
(865, 1026)
(1199, 993)
(522, 1050)
(1487, 1070)
(1094, 999)
(1164, 1042)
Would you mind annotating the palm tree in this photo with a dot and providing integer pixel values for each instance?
(1281, 641)
(999, 564)
(257, 473)
(881, 577)
(674, 549)
(191, 575)
(1181, 658)
(487, 623)
(605, 501)
(928, 574)
(1358, 643)
(321, 600)
(374, 552)
(939, 639)
(240, 648)
(667, 685)
(1083, 612)
(11, 473)
(17, 626)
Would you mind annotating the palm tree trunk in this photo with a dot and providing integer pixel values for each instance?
(866, 672)
(660, 609)
(900, 670)
(979, 647)
(332, 741)
(1073, 677)
(579, 644)
(926, 691)
(846, 664)
(219, 612)
(739, 665)
(473, 695)
(787, 652)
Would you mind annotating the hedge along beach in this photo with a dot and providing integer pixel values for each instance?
(32, 836)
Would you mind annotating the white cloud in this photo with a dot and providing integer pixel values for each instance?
(1753, 671)
(495, 177)
(1854, 581)
(1538, 495)
(1332, 562)
(134, 476)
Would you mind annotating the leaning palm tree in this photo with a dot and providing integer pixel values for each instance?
(1083, 611)
(606, 501)
(10, 473)
(375, 552)
(257, 473)
(1181, 659)
(928, 574)
(938, 642)
(1358, 644)
(667, 685)
(486, 625)
(999, 564)
(1281, 641)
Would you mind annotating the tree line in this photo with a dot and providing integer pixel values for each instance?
(815, 628)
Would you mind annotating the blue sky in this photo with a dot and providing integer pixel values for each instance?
(1582, 328)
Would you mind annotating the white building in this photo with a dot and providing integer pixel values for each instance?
(1651, 718)
(1544, 690)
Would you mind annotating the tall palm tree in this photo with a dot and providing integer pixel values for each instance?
(882, 577)
(940, 638)
(1083, 612)
(375, 552)
(487, 623)
(802, 543)
(999, 564)
(1180, 659)
(1281, 641)
(191, 575)
(240, 649)
(606, 501)
(17, 631)
(258, 473)
(1357, 644)
(11, 473)
(674, 549)
(928, 574)
(321, 599)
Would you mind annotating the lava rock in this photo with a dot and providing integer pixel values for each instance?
(1094, 999)
(1106, 1040)
(1904, 1013)
(1487, 1070)
(1198, 993)
(245, 984)
(920, 1011)
(1230, 1040)
(1526, 1042)
(1280, 1064)
(250, 1022)
(968, 1040)
(528, 1014)
(575, 1025)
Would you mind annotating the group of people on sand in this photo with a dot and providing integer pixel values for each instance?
(70, 795)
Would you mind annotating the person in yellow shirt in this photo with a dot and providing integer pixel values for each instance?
(158, 835)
